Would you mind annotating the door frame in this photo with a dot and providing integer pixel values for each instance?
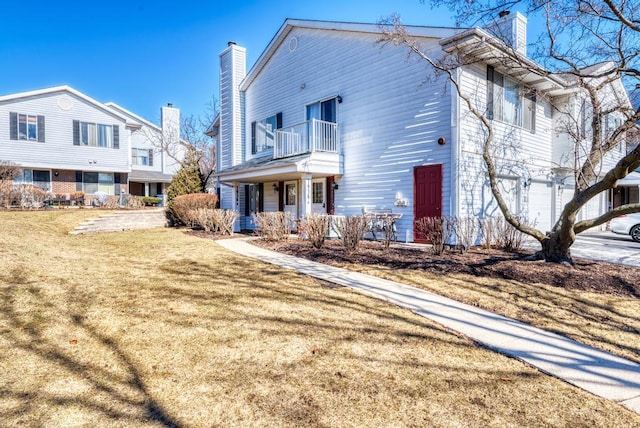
(416, 169)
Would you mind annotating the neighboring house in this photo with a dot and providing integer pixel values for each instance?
(65, 142)
(330, 121)
(156, 151)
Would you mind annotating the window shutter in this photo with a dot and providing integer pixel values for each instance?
(261, 197)
(279, 120)
(150, 157)
(254, 149)
(78, 180)
(490, 90)
(13, 126)
(116, 136)
(531, 96)
(117, 178)
(41, 129)
(281, 196)
(76, 134)
(247, 209)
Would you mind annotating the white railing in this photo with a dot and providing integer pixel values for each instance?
(306, 137)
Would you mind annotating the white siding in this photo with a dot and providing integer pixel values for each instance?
(389, 121)
(232, 71)
(58, 150)
(519, 154)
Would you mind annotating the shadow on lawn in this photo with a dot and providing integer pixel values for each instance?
(32, 323)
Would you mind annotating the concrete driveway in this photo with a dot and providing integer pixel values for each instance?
(605, 246)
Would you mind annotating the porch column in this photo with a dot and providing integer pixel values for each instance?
(305, 196)
(146, 189)
(235, 204)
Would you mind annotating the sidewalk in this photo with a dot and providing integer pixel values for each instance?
(596, 371)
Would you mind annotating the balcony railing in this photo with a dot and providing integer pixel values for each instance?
(306, 137)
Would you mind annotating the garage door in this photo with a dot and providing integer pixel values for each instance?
(540, 205)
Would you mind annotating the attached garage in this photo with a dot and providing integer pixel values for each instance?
(540, 196)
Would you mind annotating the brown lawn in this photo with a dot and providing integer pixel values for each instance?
(160, 328)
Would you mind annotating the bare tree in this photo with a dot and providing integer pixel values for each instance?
(587, 50)
(188, 137)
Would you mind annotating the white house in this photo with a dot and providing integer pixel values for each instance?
(65, 142)
(330, 121)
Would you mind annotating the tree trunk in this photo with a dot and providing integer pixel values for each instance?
(557, 250)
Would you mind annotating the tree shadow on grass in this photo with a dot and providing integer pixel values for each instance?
(81, 357)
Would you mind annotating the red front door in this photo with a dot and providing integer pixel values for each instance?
(427, 185)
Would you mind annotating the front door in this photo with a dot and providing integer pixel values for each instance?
(291, 198)
(427, 184)
(319, 196)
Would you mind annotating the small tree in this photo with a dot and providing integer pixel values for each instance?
(188, 179)
(8, 171)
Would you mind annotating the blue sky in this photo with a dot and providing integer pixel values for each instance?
(142, 54)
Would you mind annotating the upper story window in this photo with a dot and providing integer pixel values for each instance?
(263, 133)
(323, 110)
(509, 101)
(96, 135)
(142, 157)
(28, 127)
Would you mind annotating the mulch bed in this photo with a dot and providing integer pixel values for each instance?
(587, 275)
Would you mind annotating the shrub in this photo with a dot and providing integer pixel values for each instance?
(436, 230)
(151, 201)
(182, 208)
(316, 227)
(215, 220)
(273, 226)
(112, 202)
(352, 229)
(465, 230)
(28, 196)
(496, 231)
(135, 201)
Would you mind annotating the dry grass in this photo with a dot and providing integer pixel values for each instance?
(158, 328)
(608, 322)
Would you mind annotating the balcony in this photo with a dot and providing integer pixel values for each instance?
(306, 137)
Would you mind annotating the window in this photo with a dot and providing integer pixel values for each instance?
(38, 178)
(263, 133)
(27, 127)
(95, 135)
(509, 101)
(98, 182)
(142, 157)
(323, 110)
(318, 193)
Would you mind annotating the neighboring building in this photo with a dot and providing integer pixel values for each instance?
(330, 121)
(66, 142)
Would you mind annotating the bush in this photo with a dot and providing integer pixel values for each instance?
(465, 230)
(352, 229)
(27, 196)
(436, 230)
(315, 227)
(497, 232)
(151, 201)
(182, 209)
(215, 220)
(273, 226)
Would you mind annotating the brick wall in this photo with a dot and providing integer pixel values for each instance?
(64, 182)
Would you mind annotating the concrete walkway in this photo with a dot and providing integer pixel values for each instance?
(596, 371)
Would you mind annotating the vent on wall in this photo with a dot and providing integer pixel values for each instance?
(293, 44)
(65, 103)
